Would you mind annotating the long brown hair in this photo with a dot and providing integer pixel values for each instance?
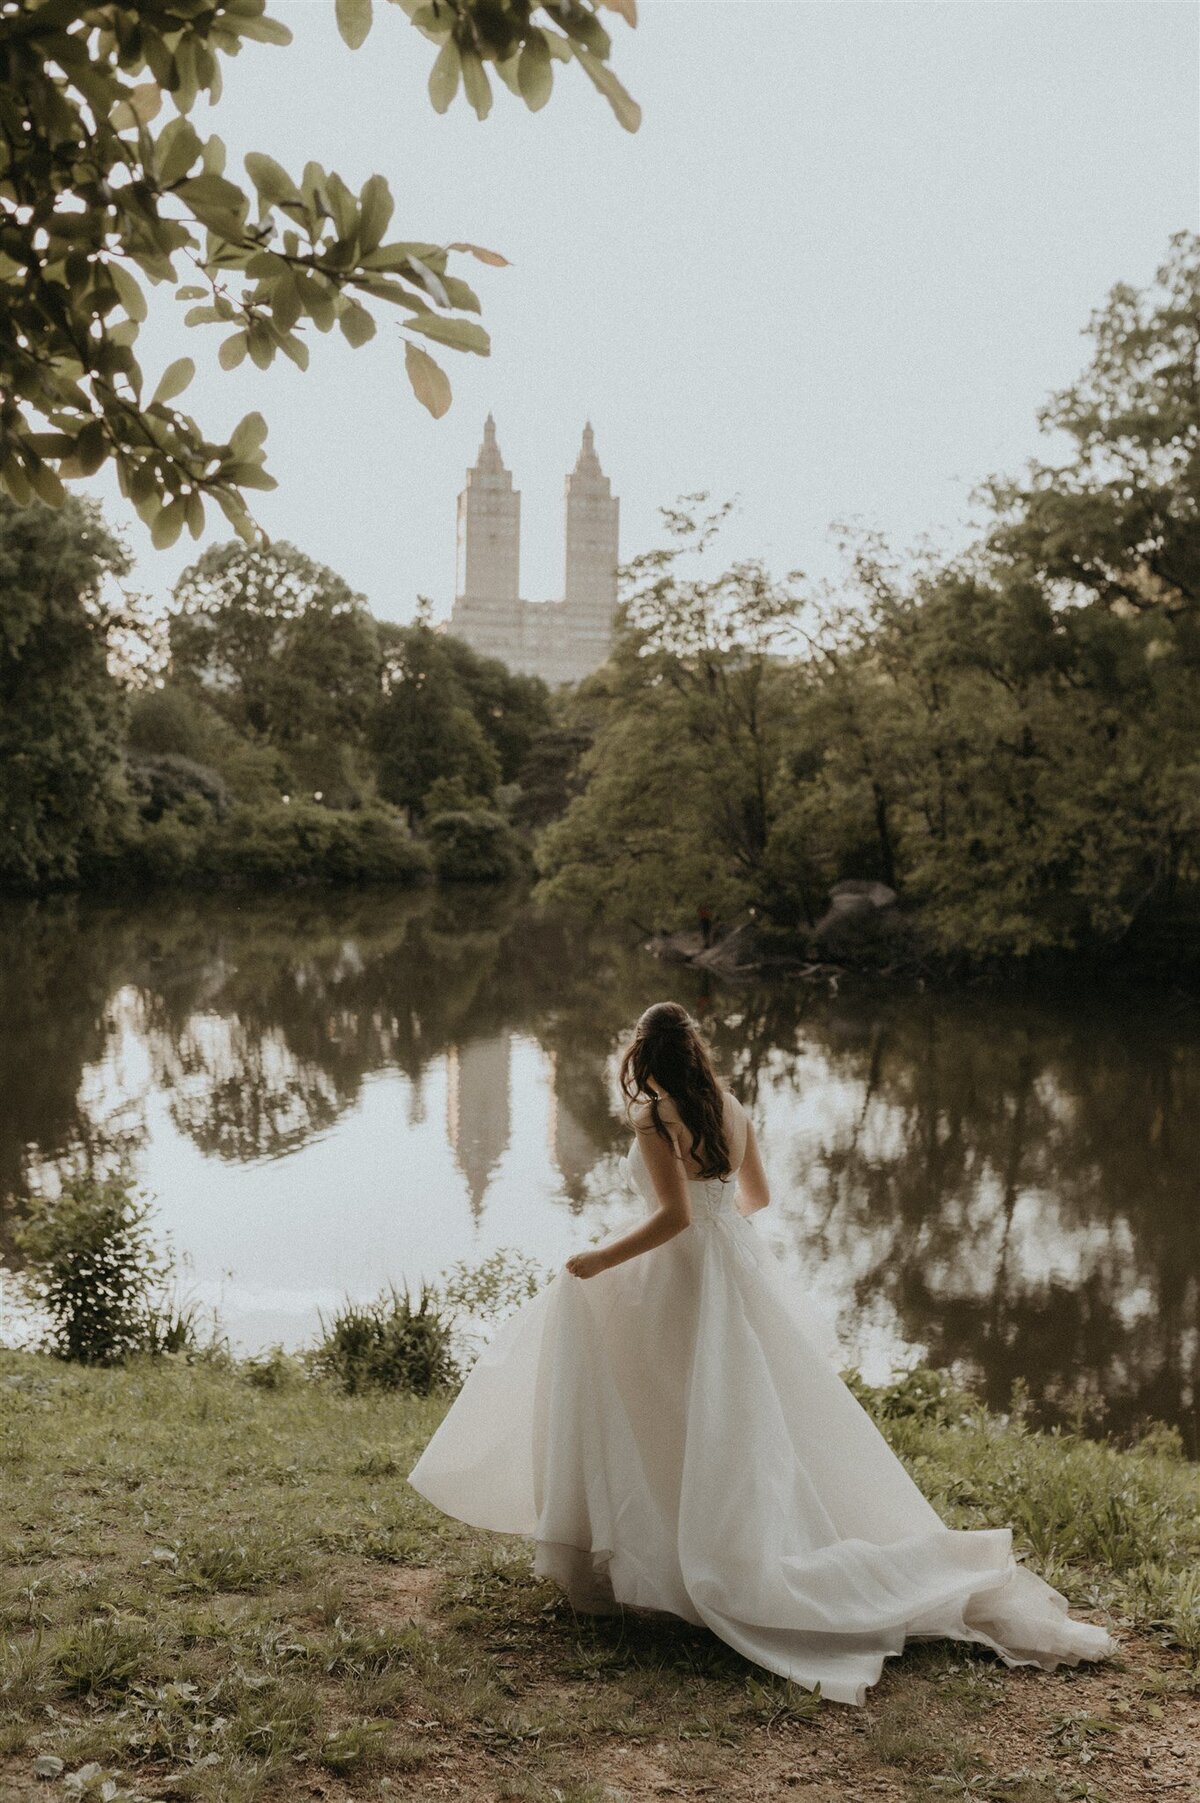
(667, 1046)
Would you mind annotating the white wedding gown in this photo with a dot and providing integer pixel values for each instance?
(672, 1436)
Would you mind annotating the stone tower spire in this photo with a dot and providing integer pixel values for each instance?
(592, 530)
(489, 527)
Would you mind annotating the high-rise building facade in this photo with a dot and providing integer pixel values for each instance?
(561, 640)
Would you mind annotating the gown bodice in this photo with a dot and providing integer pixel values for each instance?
(711, 1197)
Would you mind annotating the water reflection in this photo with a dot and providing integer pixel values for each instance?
(328, 1092)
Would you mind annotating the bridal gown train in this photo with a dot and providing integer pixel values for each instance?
(672, 1435)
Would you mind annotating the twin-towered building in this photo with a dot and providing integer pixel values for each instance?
(560, 641)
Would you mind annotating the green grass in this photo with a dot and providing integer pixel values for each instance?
(216, 1589)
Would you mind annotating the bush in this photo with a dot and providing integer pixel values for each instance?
(389, 1344)
(91, 1266)
(166, 781)
(473, 846)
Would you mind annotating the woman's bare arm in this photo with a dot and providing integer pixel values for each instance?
(753, 1191)
(673, 1214)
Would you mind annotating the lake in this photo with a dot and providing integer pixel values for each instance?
(326, 1092)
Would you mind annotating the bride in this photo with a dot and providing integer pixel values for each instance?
(664, 1422)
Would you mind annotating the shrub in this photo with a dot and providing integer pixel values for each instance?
(91, 1266)
(389, 1344)
(164, 781)
(473, 846)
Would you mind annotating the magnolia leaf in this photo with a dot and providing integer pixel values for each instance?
(173, 381)
(626, 109)
(297, 350)
(460, 334)
(443, 77)
(137, 106)
(357, 324)
(169, 524)
(353, 20)
(534, 72)
(248, 435)
(476, 86)
(90, 448)
(377, 206)
(178, 147)
(626, 8)
(430, 282)
(271, 180)
(485, 256)
(128, 290)
(47, 485)
(262, 30)
(429, 381)
(233, 351)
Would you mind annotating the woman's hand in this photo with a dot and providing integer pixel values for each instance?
(587, 1264)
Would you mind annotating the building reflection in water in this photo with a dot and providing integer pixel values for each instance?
(328, 1093)
(479, 1109)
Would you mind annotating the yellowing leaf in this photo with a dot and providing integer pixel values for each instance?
(485, 256)
(429, 381)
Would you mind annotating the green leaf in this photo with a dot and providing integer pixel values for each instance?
(377, 206)
(271, 180)
(232, 351)
(169, 524)
(429, 381)
(173, 381)
(129, 290)
(460, 334)
(476, 86)
(46, 485)
(626, 109)
(248, 435)
(90, 448)
(356, 323)
(534, 72)
(353, 20)
(178, 147)
(443, 77)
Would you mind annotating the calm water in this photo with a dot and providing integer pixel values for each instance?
(327, 1093)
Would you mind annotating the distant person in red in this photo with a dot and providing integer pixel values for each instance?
(705, 919)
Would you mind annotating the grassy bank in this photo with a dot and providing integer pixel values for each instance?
(217, 1590)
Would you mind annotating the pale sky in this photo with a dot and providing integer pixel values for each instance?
(846, 257)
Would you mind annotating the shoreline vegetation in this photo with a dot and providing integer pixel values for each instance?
(217, 1586)
(941, 765)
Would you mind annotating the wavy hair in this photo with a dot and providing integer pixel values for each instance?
(667, 1046)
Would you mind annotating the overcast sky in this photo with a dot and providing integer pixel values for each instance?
(835, 273)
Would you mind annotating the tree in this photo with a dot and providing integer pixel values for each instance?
(1120, 520)
(688, 715)
(61, 711)
(284, 649)
(95, 197)
(424, 729)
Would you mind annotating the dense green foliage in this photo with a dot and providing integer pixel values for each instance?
(1011, 738)
(61, 714)
(92, 1269)
(97, 198)
(392, 1343)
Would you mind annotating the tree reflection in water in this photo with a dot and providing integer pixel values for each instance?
(1008, 1184)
